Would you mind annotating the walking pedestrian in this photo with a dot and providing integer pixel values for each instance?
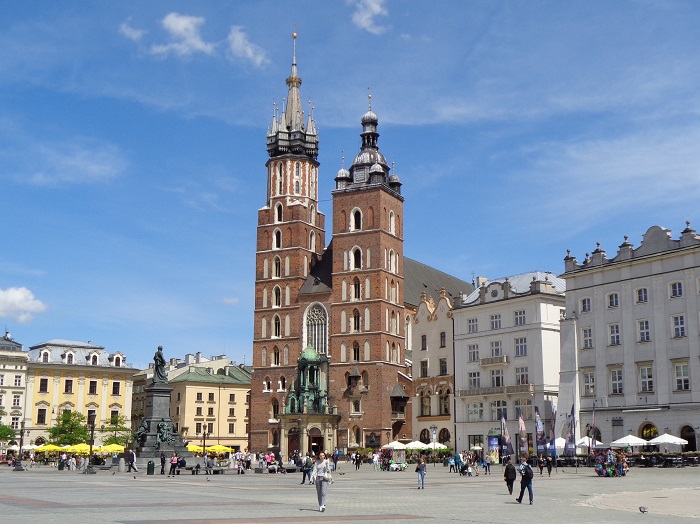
(487, 465)
(358, 460)
(526, 482)
(132, 461)
(163, 460)
(306, 468)
(549, 465)
(540, 464)
(173, 465)
(420, 469)
(509, 475)
(321, 476)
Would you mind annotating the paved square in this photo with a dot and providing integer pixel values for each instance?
(47, 495)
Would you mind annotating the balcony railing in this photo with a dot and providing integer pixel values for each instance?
(500, 390)
(494, 361)
(398, 415)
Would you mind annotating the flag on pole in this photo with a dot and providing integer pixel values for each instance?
(522, 433)
(507, 444)
(570, 447)
(552, 434)
(539, 432)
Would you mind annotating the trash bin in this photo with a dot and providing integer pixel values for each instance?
(150, 470)
(61, 465)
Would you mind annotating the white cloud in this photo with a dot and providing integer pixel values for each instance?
(231, 300)
(243, 48)
(131, 33)
(366, 12)
(184, 30)
(81, 162)
(19, 303)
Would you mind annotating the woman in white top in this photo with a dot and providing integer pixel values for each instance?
(321, 475)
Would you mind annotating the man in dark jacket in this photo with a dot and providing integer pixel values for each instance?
(525, 481)
(509, 476)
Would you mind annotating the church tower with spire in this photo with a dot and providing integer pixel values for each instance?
(290, 238)
(329, 341)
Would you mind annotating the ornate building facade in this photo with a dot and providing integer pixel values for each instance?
(13, 380)
(630, 340)
(76, 376)
(343, 300)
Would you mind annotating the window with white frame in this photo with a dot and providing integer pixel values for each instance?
(642, 295)
(16, 401)
(496, 378)
(472, 325)
(643, 330)
(646, 379)
(587, 337)
(2, 380)
(585, 305)
(521, 376)
(443, 339)
(521, 347)
(423, 342)
(496, 348)
(616, 382)
(443, 366)
(613, 300)
(499, 410)
(678, 326)
(588, 383)
(496, 321)
(475, 412)
(474, 379)
(424, 368)
(519, 317)
(614, 330)
(18, 381)
(524, 407)
(231, 428)
(682, 375)
(473, 352)
(676, 289)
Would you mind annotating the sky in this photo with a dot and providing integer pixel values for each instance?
(132, 145)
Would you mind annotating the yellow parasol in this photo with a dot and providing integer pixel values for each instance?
(112, 448)
(218, 448)
(194, 448)
(49, 448)
(79, 448)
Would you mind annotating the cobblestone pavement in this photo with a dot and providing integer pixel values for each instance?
(46, 495)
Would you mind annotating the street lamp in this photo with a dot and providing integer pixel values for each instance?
(433, 428)
(91, 422)
(18, 461)
(301, 439)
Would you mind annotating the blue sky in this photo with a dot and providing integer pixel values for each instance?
(132, 145)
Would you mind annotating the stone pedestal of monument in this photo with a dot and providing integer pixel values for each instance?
(150, 445)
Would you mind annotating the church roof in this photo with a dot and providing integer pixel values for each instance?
(320, 279)
(419, 277)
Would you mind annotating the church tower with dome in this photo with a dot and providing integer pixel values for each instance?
(329, 339)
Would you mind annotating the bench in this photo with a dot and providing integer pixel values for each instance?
(291, 469)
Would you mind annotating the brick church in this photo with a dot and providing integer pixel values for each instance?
(329, 349)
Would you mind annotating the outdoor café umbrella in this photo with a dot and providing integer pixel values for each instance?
(589, 442)
(195, 448)
(668, 439)
(49, 447)
(416, 444)
(436, 446)
(629, 440)
(394, 445)
(79, 448)
(112, 448)
(218, 448)
(476, 448)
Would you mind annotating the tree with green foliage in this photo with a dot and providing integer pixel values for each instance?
(70, 429)
(7, 432)
(117, 432)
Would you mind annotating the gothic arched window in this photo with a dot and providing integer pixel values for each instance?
(317, 328)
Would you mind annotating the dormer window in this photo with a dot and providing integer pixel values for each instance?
(69, 358)
(45, 356)
(117, 362)
(93, 360)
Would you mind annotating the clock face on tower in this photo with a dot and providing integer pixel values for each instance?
(494, 293)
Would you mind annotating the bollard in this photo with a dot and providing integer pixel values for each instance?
(122, 465)
(150, 470)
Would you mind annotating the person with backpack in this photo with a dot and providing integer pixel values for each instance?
(526, 481)
(306, 469)
(509, 476)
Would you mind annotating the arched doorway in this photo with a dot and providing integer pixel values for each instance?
(444, 436)
(594, 433)
(688, 433)
(315, 440)
(293, 443)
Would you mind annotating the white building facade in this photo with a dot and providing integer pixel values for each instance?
(433, 371)
(630, 347)
(506, 357)
(13, 380)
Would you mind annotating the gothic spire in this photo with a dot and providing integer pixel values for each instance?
(294, 118)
